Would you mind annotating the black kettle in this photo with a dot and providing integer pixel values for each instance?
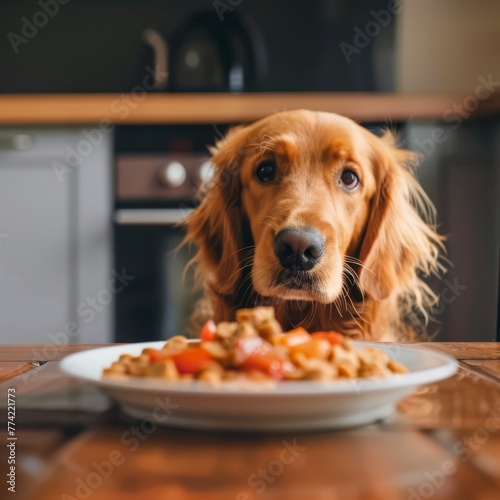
(208, 54)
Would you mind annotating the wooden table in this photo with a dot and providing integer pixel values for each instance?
(72, 443)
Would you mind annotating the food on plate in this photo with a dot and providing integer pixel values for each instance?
(255, 348)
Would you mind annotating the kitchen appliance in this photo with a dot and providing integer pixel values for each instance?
(206, 55)
(154, 191)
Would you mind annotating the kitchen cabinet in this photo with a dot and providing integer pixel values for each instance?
(55, 212)
(459, 170)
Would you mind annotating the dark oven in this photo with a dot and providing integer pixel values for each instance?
(155, 187)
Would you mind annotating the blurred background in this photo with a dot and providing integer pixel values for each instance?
(107, 108)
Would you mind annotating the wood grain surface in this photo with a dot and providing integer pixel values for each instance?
(42, 352)
(489, 366)
(442, 443)
(465, 350)
(10, 369)
(217, 108)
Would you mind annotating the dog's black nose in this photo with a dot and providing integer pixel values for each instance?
(299, 248)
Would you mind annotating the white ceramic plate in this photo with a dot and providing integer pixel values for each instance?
(284, 406)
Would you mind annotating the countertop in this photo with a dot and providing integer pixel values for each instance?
(221, 108)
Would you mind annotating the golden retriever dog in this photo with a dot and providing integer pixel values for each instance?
(314, 214)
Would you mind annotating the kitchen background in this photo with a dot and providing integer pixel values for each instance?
(107, 108)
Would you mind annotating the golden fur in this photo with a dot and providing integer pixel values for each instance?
(380, 241)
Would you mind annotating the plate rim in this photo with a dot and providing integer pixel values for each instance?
(448, 367)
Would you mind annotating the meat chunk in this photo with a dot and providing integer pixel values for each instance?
(256, 316)
(269, 329)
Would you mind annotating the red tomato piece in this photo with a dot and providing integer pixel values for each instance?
(191, 360)
(250, 346)
(159, 355)
(269, 363)
(295, 337)
(332, 337)
(296, 331)
(208, 331)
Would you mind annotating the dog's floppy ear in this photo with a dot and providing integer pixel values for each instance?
(216, 225)
(400, 244)
(378, 277)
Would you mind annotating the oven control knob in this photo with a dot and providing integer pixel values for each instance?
(173, 174)
(206, 171)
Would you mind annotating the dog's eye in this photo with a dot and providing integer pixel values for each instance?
(266, 171)
(349, 180)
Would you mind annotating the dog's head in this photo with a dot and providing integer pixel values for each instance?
(324, 200)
